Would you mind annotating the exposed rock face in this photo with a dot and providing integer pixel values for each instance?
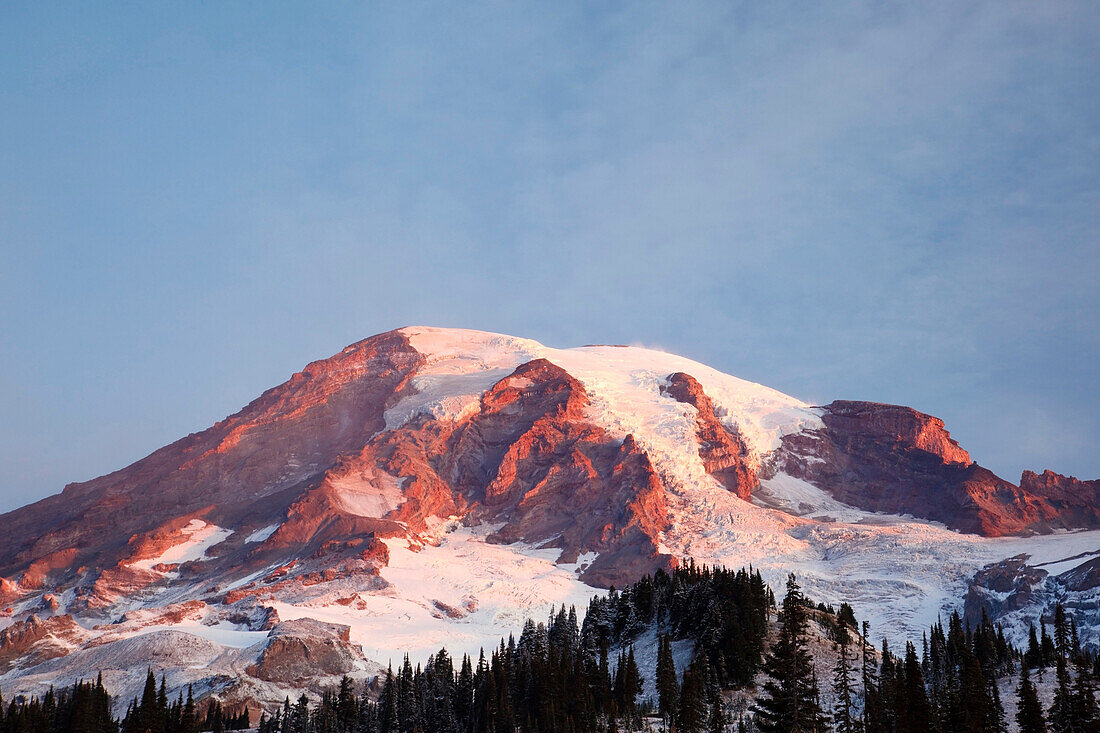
(561, 478)
(257, 676)
(530, 458)
(36, 640)
(298, 651)
(1019, 594)
(1000, 589)
(1076, 501)
(905, 425)
(1084, 577)
(724, 453)
(894, 459)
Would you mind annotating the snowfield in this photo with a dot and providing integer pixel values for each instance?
(622, 381)
(451, 589)
(369, 496)
(201, 536)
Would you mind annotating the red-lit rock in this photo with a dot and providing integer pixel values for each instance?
(724, 453)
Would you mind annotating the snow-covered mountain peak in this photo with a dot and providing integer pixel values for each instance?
(623, 382)
(454, 482)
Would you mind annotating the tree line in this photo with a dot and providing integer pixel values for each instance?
(950, 686)
(86, 708)
(567, 676)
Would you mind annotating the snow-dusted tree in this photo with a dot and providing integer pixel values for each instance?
(843, 683)
(789, 702)
(668, 689)
(1029, 712)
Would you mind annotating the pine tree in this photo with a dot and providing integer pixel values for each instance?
(1062, 712)
(693, 711)
(789, 700)
(464, 690)
(1029, 713)
(1046, 647)
(668, 689)
(300, 716)
(628, 683)
(162, 707)
(718, 718)
(387, 705)
(347, 712)
(1084, 694)
(843, 683)
(148, 715)
(1033, 657)
(872, 707)
(918, 714)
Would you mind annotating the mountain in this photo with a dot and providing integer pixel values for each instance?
(438, 486)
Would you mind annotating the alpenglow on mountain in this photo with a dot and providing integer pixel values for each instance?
(429, 487)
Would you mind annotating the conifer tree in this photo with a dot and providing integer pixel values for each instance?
(628, 683)
(789, 700)
(693, 711)
(872, 706)
(918, 714)
(300, 716)
(148, 717)
(843, 684)
(464, 690)
(1062, 712)
(387, 705)
(1033, 657)
(1085, 711)
(287, 720)
(1029, 713)
(1046, 647)
(668, 689)
(718, 718)
(889, 701)
(162, 707)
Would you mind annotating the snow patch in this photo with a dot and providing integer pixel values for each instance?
(370, 494)
(495, 588)
(223, 633)
(200, 537)
(262, 534)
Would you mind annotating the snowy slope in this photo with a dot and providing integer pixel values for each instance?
(451, 589)
(199, 537)
(622, 381)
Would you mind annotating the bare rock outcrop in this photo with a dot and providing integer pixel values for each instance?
(724, 453)
(893, 459)
(530, 459)
(1077, 502)
(299, 650)
(34, 640)
(1002, 588)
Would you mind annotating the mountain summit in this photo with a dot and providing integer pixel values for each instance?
(428, 486)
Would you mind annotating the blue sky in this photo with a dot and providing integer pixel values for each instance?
(886, 201)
